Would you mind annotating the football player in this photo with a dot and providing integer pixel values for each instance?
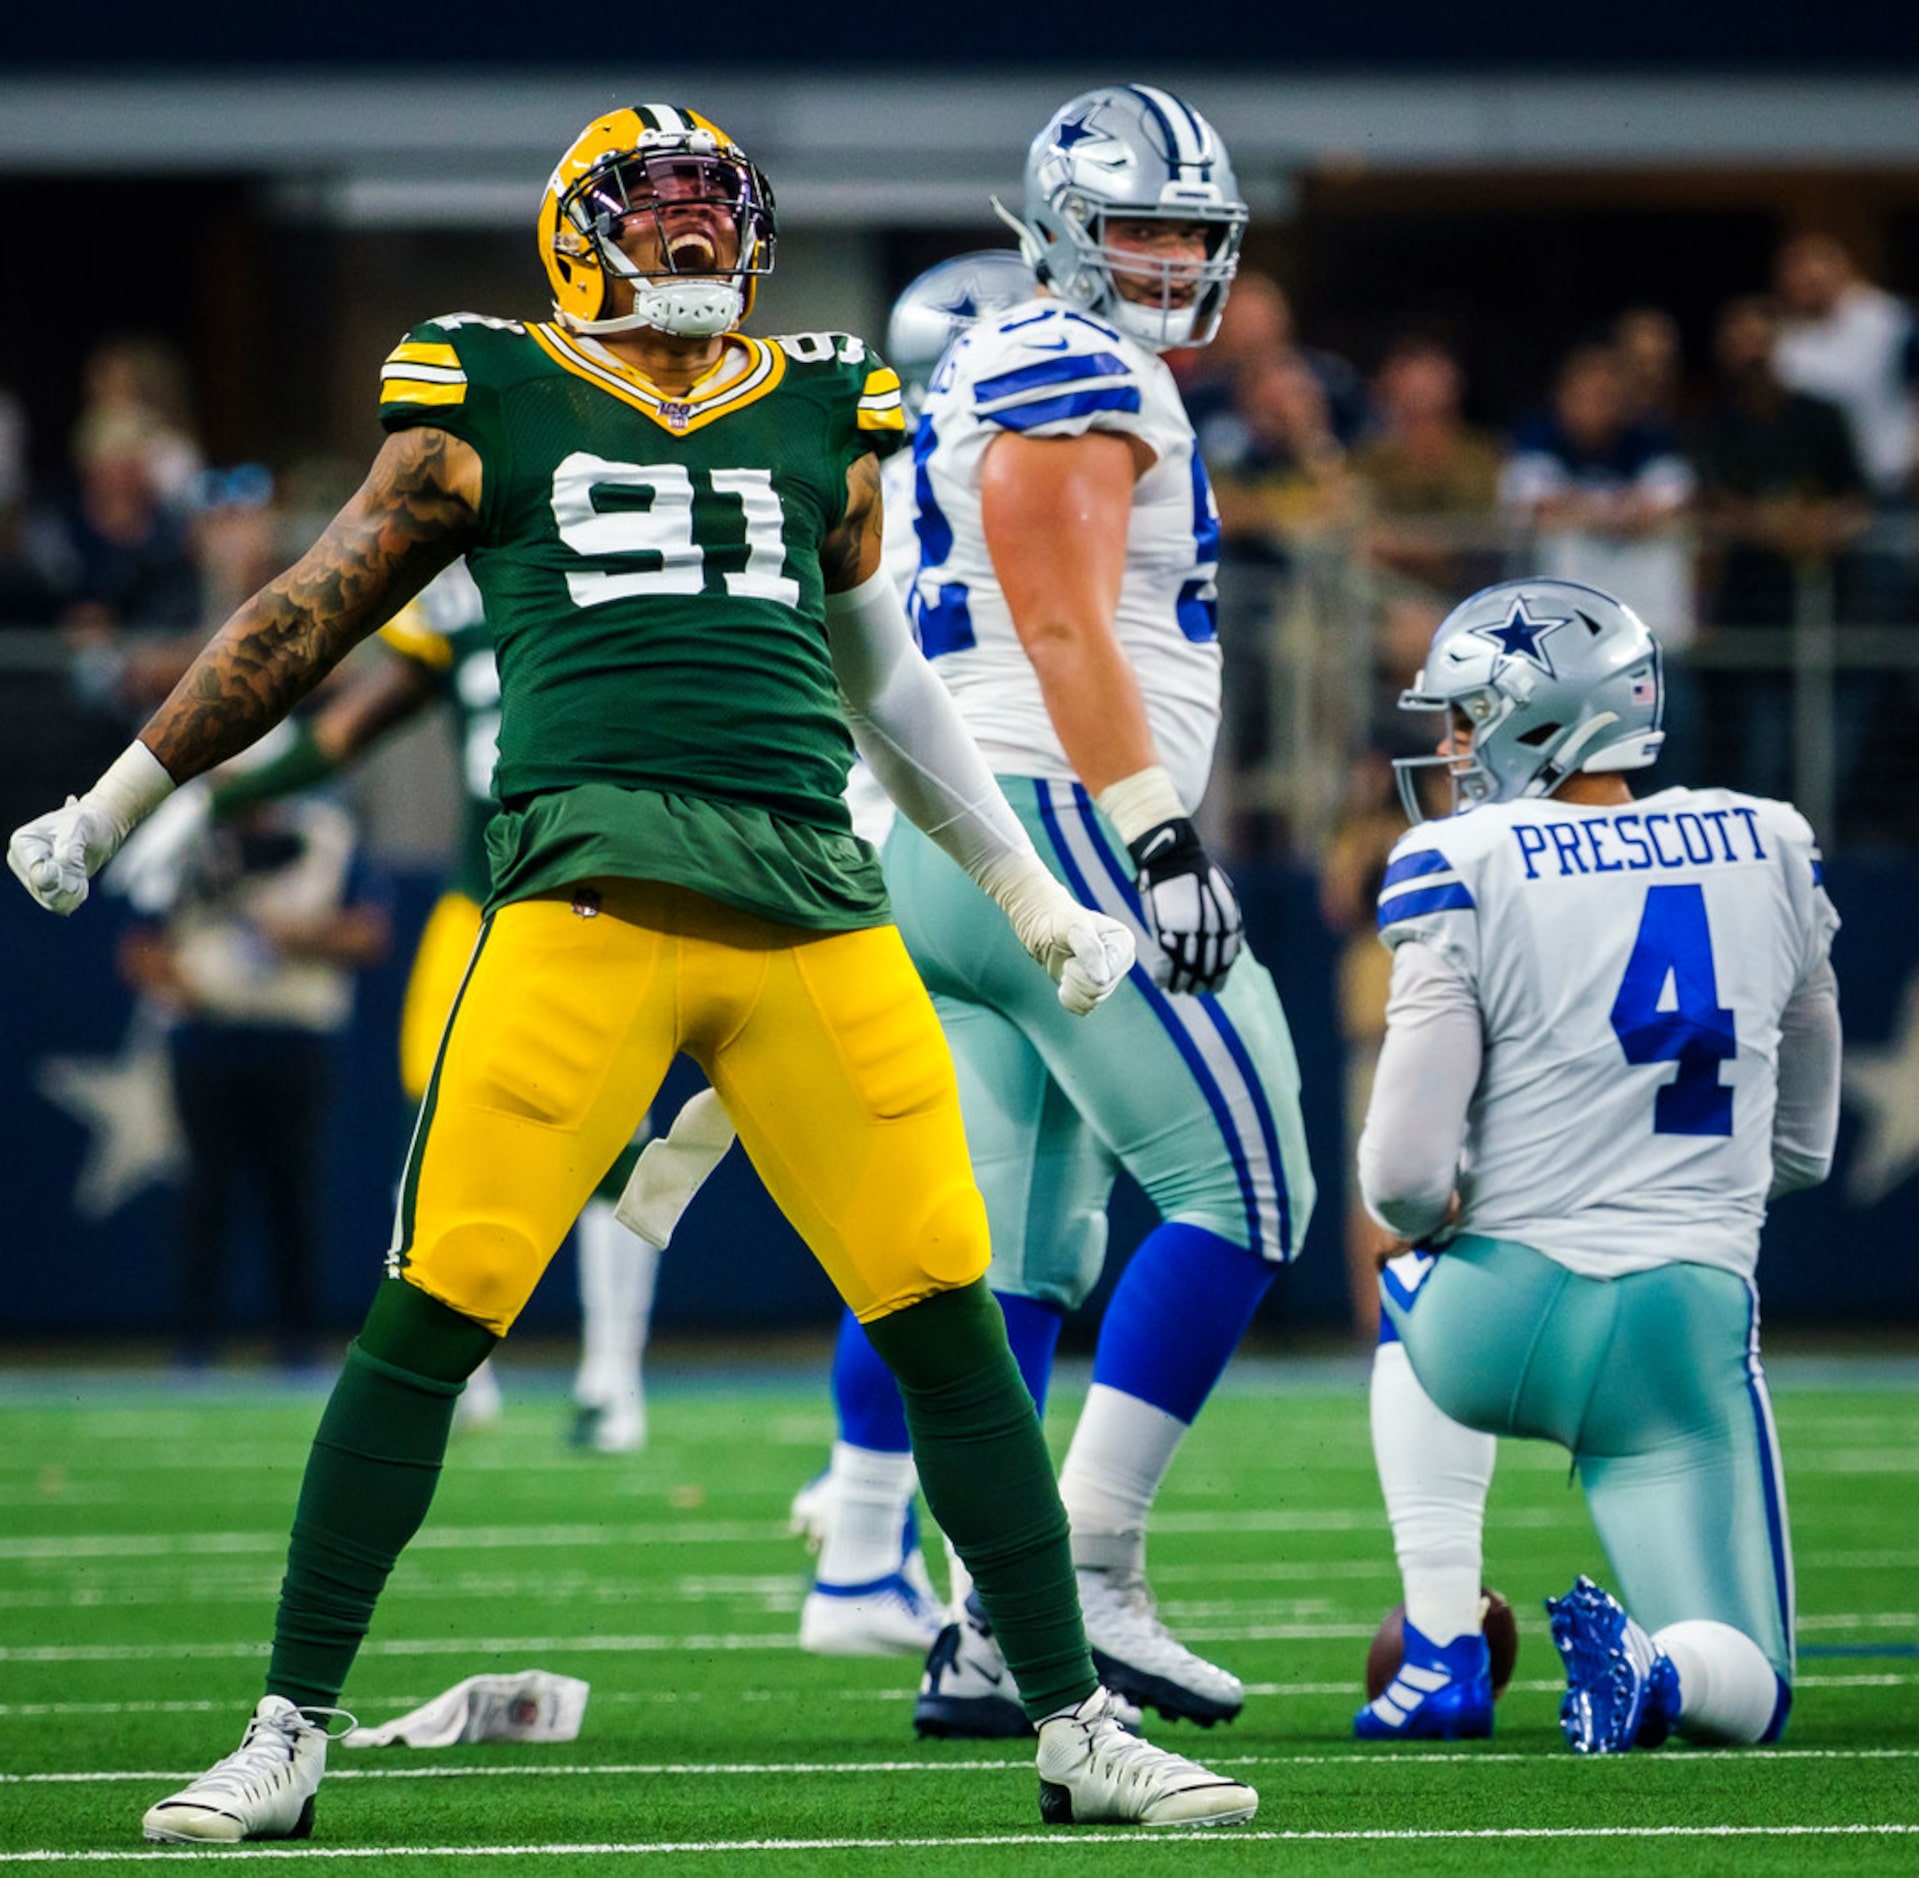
(1613, 1036)
(675, 531)
(442, 655)
(1065, 597)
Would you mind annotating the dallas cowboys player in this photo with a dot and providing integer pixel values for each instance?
(1068, 538)
(1613, 1036)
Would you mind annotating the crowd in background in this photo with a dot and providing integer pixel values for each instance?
(1724, 498)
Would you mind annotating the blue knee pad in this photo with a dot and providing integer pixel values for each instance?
(1177, 1315)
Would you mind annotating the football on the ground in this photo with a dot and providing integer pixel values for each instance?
(1495, 1619)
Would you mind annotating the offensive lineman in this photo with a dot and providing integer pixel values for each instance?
(1068, 539)
(676, 533)
(1613, 1036)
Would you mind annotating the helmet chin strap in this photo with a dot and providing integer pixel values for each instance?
(690, 309)
(1160, 329)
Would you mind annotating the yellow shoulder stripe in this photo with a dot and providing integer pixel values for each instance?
(879, 382)
(423, 352)
(419, 391)
(895, 419)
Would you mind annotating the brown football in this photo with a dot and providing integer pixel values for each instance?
(1495, 1619)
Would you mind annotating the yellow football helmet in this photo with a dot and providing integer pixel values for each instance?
(614, 172)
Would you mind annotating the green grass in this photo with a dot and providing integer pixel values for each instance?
(142, 1529)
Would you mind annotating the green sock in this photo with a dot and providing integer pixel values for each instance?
(989, 1480)
(369, 1481)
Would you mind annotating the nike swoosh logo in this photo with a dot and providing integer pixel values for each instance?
(1163, 840)
(1049, 345)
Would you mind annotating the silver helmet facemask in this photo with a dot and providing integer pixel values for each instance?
(1549, 677)
(940, 304)
(692, 293)
(1132, 153)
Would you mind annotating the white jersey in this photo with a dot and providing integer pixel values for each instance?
(1044, 369)
(1631, 965)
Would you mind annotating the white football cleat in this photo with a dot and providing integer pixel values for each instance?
(968, 1694)
(897, 1615)
(263, 1790)
(1138, 1657)
(1092, 1772)
(615, 1427)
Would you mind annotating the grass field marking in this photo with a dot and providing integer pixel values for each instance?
(1063, 1838)
(809, 1770)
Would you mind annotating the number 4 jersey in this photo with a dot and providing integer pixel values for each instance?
(1631, 966)
(650, 568)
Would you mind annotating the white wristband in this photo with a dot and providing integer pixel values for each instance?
(1140, 801)
(134, 785)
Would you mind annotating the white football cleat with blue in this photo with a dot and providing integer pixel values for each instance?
(1620, 1692)
(1093, 1772)
(263, 1790)
(968, 1694)
(897, 1613)
(1440, 1692)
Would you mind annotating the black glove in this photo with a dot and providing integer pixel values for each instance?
(1188, 905)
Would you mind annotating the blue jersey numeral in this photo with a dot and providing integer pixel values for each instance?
(1674, 945)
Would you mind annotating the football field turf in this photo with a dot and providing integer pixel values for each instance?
(143, 1530)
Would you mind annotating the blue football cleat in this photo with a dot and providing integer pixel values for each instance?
(1612, 1674)
(1440, 1692)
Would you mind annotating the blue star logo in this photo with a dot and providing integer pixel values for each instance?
(1074, 130)
(1520, 636)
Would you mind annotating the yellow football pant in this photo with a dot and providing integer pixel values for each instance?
(824, 1050)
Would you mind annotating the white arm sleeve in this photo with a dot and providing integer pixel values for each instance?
(911, 734)
(1805, 1123)
(1428, 1068)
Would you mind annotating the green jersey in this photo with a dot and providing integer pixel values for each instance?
(650, 570)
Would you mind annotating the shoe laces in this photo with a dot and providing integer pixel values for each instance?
(267, 1751)
(1126, 1760)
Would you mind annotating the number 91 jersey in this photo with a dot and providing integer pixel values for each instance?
(650, 565)
(1043, 369)
(1631, 966)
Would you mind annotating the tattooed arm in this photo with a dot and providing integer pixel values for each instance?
(417, 509)
(852, 551)
(416, 512)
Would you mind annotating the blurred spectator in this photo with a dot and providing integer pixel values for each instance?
(1779, 480)
(1783, 492)
(1286, 473)
(141, 376)
(1849, 341)
(114, 553)
(1255, 329)
(25, 597)
(1431, 479)
(1605, 494)
(1651, 358)
(253, 967)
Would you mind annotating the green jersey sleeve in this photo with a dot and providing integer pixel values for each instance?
(428, 378)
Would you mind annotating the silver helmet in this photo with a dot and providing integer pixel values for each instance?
(1133, 153)
(1552, 677)
(942, 303)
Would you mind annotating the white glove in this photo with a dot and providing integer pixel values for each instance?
(1092, 960)
(1086, 953)
(55, 856)
(154, 860)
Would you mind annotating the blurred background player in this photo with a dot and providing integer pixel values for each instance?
(1613, 1037)
(442, 655)
(1067, 536)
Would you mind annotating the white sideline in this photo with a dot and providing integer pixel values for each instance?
(810, 1770)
